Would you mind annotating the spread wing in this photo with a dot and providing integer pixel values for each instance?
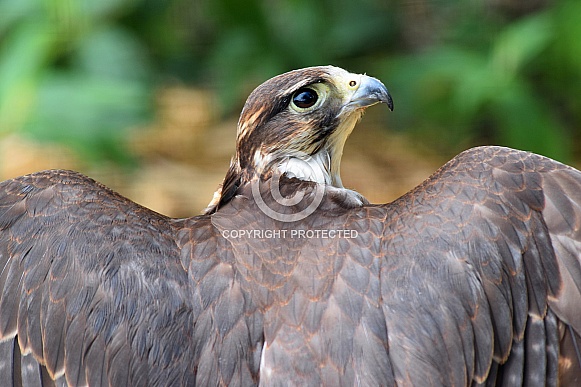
(92, 289)
(481, 281)
(472, 278)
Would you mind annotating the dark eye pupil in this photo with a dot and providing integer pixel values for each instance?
(305, 98)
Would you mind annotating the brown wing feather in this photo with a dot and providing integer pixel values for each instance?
(482, 269)
(92, 287)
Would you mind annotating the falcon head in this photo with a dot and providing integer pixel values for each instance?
(297, 124)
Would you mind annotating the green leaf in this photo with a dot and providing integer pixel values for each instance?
(526, 122)
(112, 53)
(519, 43)
(12, 11)
(89, 113)
(22, 61)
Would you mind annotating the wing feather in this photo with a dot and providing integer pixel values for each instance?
(31, 374)
(509, 262)
(75, 345)
(81, 269)
(7, 362)
(53, 339)
(96, 370)
(10, 299)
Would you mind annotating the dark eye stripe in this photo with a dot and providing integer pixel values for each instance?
(305, 98)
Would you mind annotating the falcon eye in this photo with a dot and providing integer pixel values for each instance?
(305, 98)
(309, 98)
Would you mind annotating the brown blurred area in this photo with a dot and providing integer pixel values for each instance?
(186, 151)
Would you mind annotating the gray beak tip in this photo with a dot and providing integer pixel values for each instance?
(370, 92)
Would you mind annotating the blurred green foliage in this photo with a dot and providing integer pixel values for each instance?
(71, 72)
(518, 86)
(83, 72)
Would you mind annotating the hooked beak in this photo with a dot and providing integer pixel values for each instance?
(370, 92)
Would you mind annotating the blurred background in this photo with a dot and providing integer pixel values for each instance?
(144, 95)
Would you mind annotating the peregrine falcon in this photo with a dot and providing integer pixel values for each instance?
(289, 278)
